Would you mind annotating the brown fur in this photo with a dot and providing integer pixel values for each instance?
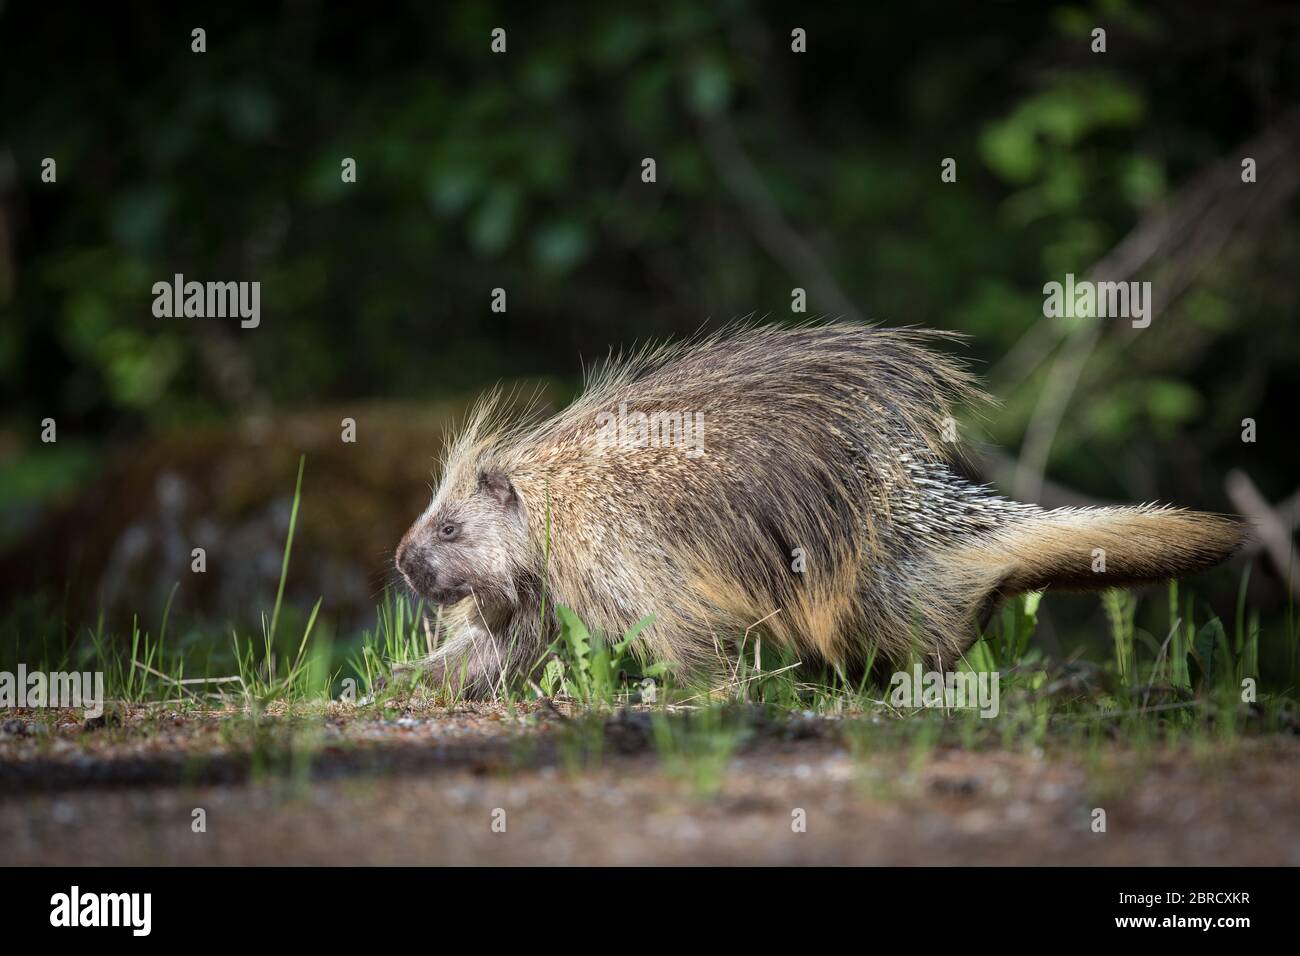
(823, 441)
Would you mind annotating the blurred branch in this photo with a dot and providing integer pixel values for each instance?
(788, 247)
(1185, 235)
(1273, 526)
(1000, 469)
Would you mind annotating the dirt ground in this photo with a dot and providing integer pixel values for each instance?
(473, 786)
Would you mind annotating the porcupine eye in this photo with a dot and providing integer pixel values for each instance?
(448, 531)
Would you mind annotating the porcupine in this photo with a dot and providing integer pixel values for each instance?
(822, 501)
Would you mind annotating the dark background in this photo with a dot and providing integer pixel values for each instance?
(522, 171)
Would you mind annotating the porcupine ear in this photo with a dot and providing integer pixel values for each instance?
(499, 487)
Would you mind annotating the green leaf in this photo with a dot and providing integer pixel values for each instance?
(493, 226)
(708, 88)
(560, 246)
(1203, 647)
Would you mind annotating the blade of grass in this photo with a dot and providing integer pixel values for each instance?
(288, 548)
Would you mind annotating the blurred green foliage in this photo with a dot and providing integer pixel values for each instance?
(522, 171)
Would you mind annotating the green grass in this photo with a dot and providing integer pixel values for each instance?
(1190, 681)
(590, 669)
(696, 747)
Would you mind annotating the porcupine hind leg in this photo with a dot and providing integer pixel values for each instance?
(926, 612)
